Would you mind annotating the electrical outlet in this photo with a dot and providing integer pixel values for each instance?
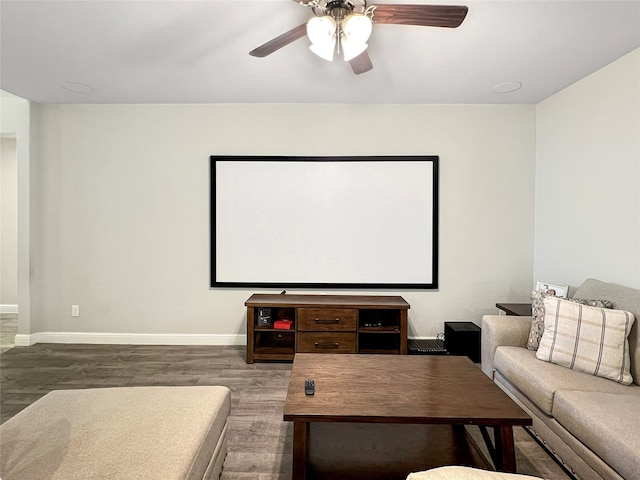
(75, 310)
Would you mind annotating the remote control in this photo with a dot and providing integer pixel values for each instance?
(309, 387)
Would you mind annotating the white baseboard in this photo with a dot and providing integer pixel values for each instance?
(8, 308)
(22, 340)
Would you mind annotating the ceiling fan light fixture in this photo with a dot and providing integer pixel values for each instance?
(322, 34)
(347, 24)
(356, 30)
(324, 50)
(351, 49)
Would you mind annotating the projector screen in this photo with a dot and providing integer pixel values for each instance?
(324, 222)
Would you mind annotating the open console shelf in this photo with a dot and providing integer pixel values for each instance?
(279, 326)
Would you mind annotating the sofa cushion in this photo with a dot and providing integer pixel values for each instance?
(587, 339)
(540, 380)
(623, 298)
(604, 423)
(116, 433)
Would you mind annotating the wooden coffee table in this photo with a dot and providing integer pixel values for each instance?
(384, 416)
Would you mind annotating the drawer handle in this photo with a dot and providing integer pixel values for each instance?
(327, 345)
(327, 321)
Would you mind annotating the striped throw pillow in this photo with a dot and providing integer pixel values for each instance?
(588, 339)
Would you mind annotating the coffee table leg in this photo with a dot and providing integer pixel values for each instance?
(300, 449)
(507, 449)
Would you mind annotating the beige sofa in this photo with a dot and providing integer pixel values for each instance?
(590, 424)
(465, 473)
(168, 433)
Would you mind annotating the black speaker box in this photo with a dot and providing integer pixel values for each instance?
(463, 339)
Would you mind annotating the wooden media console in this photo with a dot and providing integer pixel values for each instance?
(324, 324)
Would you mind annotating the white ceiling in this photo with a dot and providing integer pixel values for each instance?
(186, 51)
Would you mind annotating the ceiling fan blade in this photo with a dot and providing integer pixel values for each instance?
(423, 15)
(280, 41)
(361, 64)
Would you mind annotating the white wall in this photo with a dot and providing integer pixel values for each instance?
(9, 225)
(121, 219)
(588, 179)
(15, 114)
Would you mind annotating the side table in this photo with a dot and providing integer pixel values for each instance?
(517, 309)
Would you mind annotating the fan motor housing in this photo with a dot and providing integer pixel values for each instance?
(346, 6)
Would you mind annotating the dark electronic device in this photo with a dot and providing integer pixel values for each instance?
(429, 346)
(309, 387)
(264, 317)
(462, 339)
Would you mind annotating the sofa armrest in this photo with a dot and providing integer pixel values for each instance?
(498, 330)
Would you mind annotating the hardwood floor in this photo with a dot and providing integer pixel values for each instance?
(259, 443)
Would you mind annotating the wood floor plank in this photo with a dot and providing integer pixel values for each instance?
(259, 441)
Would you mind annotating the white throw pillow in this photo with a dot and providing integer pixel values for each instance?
(537, 312)
(588, 339)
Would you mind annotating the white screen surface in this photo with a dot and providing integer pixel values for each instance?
(324, 222)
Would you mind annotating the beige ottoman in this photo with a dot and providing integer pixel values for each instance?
(169, 433)
(465, 473)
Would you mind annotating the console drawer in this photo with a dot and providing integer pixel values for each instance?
(327, 319)
(326, 342)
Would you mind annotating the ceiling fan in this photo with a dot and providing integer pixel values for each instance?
(347, 25)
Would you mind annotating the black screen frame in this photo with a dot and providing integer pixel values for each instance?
(432, 285)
